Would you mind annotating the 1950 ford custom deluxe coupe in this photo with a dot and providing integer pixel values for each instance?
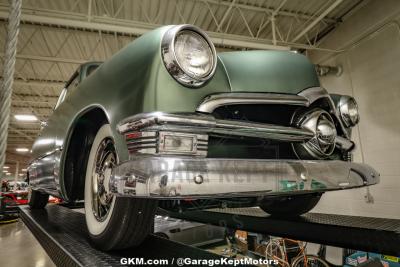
(166, 122)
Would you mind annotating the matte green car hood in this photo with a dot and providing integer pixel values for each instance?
(269, 71)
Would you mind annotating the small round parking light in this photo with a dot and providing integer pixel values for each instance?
(348, 109)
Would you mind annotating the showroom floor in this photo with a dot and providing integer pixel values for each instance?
(20, 248)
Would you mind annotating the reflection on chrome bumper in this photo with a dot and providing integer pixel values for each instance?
(168, 177)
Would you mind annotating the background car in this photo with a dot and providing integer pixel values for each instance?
(21, 197)
(18, 186)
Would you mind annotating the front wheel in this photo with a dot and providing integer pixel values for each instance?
(289, 206)
(113, 222)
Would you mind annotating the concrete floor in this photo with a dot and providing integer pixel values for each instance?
(18, 247)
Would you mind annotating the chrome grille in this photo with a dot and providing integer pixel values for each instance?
(141, 142)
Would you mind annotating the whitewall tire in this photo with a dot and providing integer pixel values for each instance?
(112, 222)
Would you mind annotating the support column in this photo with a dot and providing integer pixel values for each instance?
(8, 75)
(16, 172)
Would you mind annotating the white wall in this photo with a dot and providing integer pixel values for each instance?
(371, 63)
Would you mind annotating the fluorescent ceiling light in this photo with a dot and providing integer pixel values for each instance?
(22, 149)
(8, 173)
(5, 171)
(25, 117)
(23, 170)
(6, 167)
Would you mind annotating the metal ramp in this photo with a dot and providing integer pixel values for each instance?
(62, 233)
(354, 232)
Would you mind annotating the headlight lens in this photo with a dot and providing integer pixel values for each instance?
(193, 54)
(188, 55)
(348, 109)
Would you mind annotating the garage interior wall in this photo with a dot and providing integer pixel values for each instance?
(370, 39)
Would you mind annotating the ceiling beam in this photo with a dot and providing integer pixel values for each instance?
(22, 133)
(34, 102)
(17, 105)
(34, 96)
(15, 135)
(280, 12)
(25, 123)
(317, 20)
(17, 141)
(25, 130)
(39, 83)
(79, 21)
(49, 59)
(12, 157)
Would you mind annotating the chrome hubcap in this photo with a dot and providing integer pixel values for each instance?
(105, 160)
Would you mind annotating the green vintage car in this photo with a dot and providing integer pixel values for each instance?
(166, 122)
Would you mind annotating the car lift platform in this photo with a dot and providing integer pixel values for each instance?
(62, 233)
(368, 234)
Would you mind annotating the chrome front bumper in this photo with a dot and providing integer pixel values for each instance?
(182, 178)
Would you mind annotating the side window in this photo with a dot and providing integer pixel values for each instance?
(91, 69)
(73, 84)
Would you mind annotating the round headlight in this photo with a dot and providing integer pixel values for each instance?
(322, 144)
(188, 55)
(194, 54)
(348, 109)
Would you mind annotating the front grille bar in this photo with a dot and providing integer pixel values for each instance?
(212, 102)
(206, 124)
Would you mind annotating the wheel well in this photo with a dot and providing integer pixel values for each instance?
(78, 150)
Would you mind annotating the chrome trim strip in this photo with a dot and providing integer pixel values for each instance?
(267, 131)
(207, 124)
(171, 177)
(212, 102)
(51, 152)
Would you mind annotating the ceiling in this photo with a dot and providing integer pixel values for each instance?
(56, 36)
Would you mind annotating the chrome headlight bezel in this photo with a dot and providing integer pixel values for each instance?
(348, 119)
(172, 64)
